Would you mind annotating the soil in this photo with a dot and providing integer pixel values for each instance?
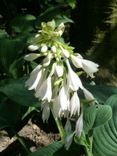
(33, 135)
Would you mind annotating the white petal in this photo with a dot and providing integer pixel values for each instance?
(90, 67)
(65, 53)
(53, 48)
(45, 91)
(45, 112)
(75, 104)
(56, 107)
(47, 60)
(79, 125)
(88, 95)
(34, 78)
(31, 57)
(44, 48)
(33, 47)
(74, 81)
(37, 35)
(68, 127)
(63, 99)
(59, 70)
(76, 61)
(59, 31)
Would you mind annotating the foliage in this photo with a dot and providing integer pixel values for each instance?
(19, 22)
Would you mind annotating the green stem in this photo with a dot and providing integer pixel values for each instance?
(88, 149)
(88, 152)
(60, 127)
(20, 139)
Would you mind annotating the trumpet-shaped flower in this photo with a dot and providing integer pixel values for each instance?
(65, 53)
(47, 60)
(88, 66)
(88, 95)
(35, 78)
(60, 29)
(53, 49)
(56, 107)
(31, 57)
(79, 125)
(63, 99)
(45, 90)
(59, 70)
(75, 104)
(73, 79)
(76, 61)
(33, 47)
(44, 48)
(45, 112)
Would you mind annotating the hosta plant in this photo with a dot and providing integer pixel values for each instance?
(56, 81)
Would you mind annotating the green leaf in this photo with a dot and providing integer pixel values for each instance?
(49, 150)
(23, 23)
(10, 49)
(104, 113)
(105, 136)
(49, 14)
(16, 91)
(9, 114)
(89, 118)
(95, 116)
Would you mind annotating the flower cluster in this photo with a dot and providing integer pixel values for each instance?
(54, 80)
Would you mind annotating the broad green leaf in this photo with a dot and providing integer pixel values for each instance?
(17, 92)
(49, 150)
(56, 149)
(23, 23)
(95, 116)
(89, 118)
(104, 113)
(10, 50)
(10, 114)
(105, 136)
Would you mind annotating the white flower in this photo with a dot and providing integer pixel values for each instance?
(79, 125)
(75, 104)
(59, 70)
(35, 78)
(33, 47)
(88, 95)
(60, 29)
(31, 57)
(65, 53)
(88, 66)
(47, 60)
(53, 48)
(45, 90)
(45, 112)
(64, 99)
(73, 79)
(76, 61)
(68, 127)
(56, 107)
(37, 35)
(44, 48)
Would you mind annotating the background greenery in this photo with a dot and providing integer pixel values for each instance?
(91, 27)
